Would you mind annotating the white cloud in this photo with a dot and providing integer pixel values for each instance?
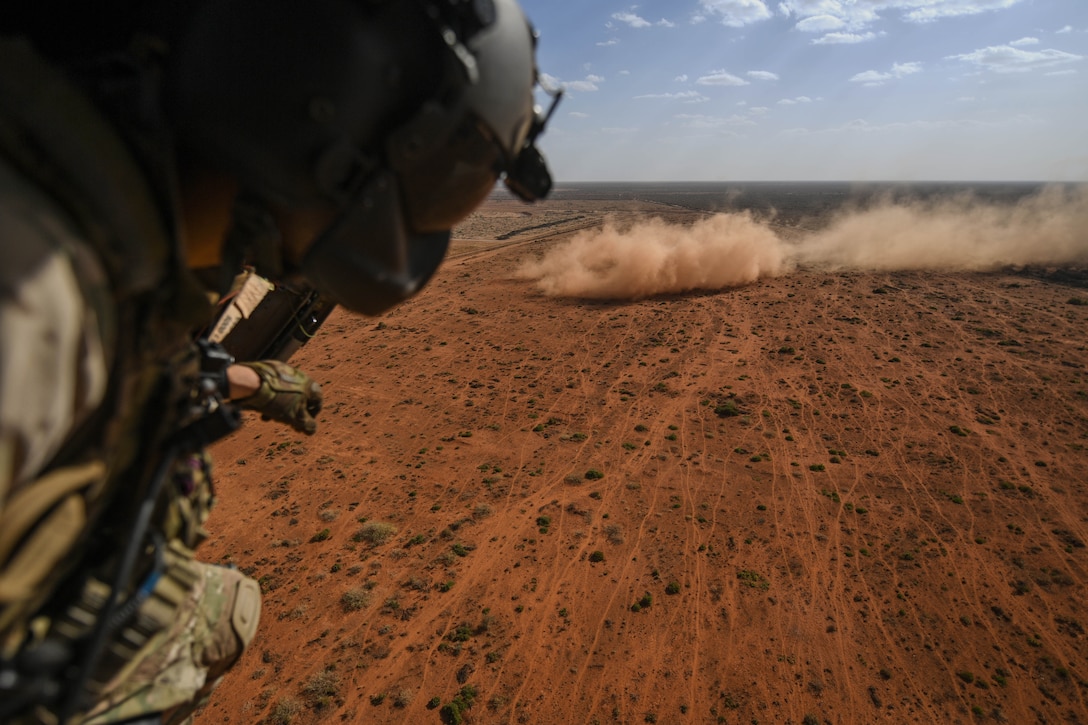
(699, 121)
(926, 11)
(762, 75)
(758, 110)
(871, 77)
(734, 13)
(877, 78)
(794, 101)
(682, 78)
(820, 24)
(1024, 41)
(665, 23)
(819, 16)
(610, 41)
(578, 114)
(1007, 59)
(589, 83)
(845, 38)
(631, 19)
(1065, 29)
(687, 96)
(581, 86)
(721, 78)
(625, 72)
(1067, 72)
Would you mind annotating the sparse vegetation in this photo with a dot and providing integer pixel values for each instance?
(322, 688)
(354, 599)
(753, 579)
(453, 712)
(950, 469)
(375, 532)
(284, 711)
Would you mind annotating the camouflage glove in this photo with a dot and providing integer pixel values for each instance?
(286, 394)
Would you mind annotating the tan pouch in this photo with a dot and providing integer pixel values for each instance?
(38, 528)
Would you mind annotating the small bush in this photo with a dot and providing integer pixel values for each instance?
(753, 579)
(453, 712)
(354, 599)
(672, 588)
(375, 532)
(727, 409)
(323, 686)
(284, 711)
(593, 474)
(596, 556)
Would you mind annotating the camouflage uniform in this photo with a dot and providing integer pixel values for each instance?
(96, 369)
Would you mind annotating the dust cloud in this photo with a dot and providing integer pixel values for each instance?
(962, 233)
(655, 257)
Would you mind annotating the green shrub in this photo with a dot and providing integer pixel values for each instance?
(453, 712)
(375, 532)
(593, 474)
(727, 409)
(354, 599)
(596, 556)
(753, 579)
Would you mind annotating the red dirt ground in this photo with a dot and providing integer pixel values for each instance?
(891, 530)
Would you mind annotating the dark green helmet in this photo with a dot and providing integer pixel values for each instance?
(388, 120)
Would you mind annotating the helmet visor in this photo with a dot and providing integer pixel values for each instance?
(442, 187)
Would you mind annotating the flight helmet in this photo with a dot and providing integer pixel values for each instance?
(376, 124)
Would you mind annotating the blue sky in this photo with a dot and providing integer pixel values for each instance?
(747, 90)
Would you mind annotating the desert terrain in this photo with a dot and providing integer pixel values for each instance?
(823, 496)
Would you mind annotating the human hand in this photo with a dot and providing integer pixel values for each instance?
(286, 394)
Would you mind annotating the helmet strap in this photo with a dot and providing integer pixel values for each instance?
(253, 239)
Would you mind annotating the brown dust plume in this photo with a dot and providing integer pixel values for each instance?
(728, 250)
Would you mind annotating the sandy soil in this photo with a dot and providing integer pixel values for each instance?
(890, 529)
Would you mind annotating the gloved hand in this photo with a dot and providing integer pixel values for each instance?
(286, 394)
